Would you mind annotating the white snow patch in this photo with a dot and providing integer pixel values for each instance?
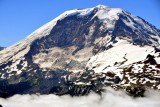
(121, 52)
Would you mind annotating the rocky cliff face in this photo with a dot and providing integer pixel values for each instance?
(84, 50)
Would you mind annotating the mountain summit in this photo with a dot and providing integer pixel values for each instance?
(83, 48)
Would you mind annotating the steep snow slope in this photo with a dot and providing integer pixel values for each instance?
(121, 54)
(133, 64)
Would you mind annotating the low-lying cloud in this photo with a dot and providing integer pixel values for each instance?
(110, 98)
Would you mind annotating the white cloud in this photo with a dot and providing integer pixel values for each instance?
(110, 98)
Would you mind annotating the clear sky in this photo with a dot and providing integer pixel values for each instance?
(19, 18)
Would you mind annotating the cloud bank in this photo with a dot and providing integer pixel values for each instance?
(110, 98)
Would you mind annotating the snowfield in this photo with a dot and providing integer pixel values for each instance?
(122, 53)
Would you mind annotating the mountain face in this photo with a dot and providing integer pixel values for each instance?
(84, 50)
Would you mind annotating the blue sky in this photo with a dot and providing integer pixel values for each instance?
(19, 18)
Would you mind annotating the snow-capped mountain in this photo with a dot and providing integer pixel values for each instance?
(83, 50)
